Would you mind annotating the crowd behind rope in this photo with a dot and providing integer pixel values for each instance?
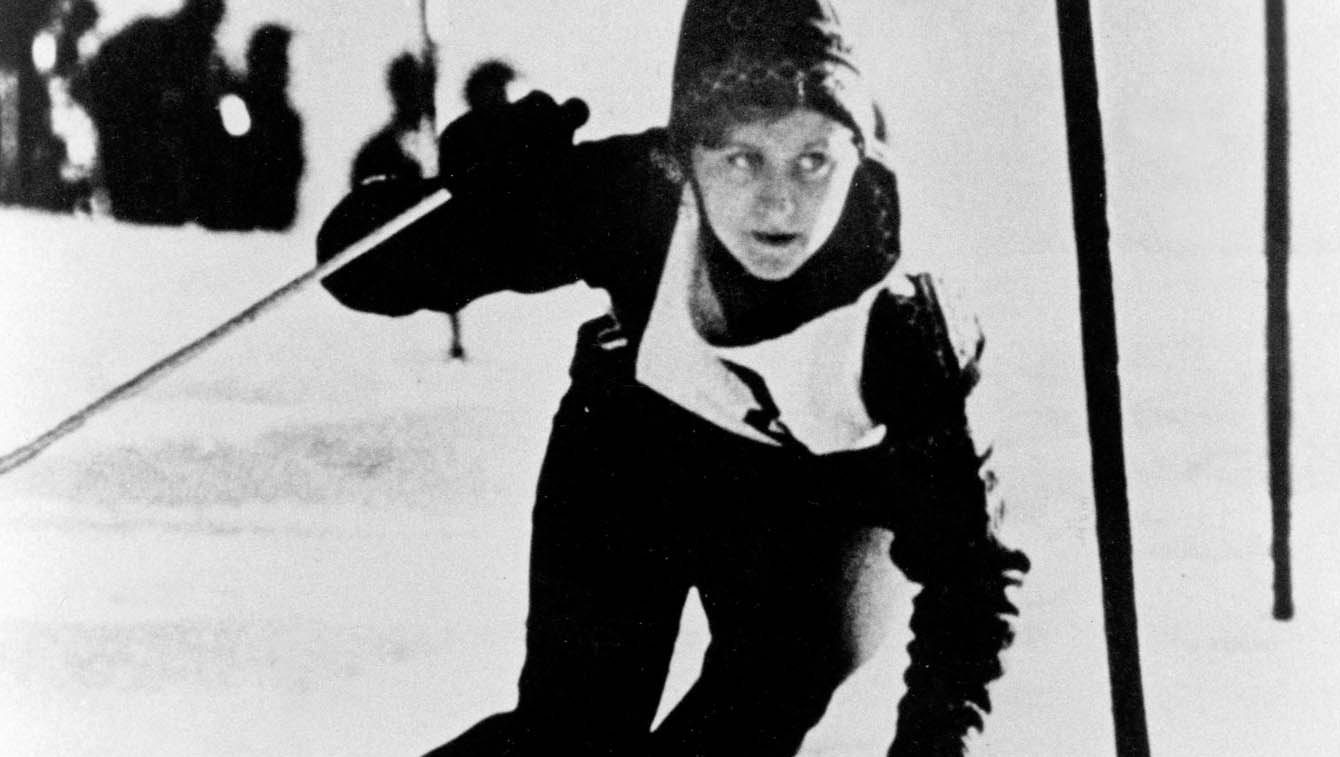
(149, 124)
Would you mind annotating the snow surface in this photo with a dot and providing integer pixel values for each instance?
(312, 539)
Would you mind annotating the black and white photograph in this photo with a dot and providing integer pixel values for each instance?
(669, 378)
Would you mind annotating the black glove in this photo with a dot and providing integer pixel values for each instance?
(394, 278)
(499, 150)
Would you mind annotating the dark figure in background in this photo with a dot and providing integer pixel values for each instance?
(395, 152)
(78, 171)
(256, 166)
(75, 19)
(391, 152)
(274, 144)
(152, 91)
(30, 155)
(486, 88)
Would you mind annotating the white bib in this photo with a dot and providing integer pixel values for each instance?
(813, 374)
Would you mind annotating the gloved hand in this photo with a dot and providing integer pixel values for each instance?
(390, 279)
(501, 149)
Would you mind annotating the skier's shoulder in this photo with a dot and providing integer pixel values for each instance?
(629, 146)
(938, 309)
(630, 162)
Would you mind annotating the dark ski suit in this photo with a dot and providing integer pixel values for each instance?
(639, 499)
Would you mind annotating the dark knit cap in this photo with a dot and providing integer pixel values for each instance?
(766, 56)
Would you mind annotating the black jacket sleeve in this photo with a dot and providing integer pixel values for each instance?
(577, 217)
(917, 381)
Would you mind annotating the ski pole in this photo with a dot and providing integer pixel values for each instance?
(178, 358)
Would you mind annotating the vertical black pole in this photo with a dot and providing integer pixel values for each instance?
(1098, 324)
(1277, 301)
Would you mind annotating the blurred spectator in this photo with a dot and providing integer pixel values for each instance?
(275, 141)
(152, 92)
(488, 83)
(257, 161)
(72, 41)
(394, 152)
(29, 152)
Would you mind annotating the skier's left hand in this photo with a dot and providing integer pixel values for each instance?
(392, 278)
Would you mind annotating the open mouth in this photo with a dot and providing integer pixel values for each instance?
(774, 239)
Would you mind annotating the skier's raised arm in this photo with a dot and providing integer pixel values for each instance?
(530, 211)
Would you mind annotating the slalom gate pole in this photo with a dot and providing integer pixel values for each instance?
(1278, 392)
(382, 233)
(1103, 390)
(428, 87)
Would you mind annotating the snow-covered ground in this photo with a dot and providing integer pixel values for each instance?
(312, 540)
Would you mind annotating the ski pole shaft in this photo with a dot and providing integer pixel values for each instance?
(178, 358)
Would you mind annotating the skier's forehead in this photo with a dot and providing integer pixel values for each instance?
(798, 129)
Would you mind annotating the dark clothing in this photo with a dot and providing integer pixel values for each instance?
(272, 159)
(253, 177)
(639, 499)
(152, 91)
(616, 548)
(602, 214)
(382, 156)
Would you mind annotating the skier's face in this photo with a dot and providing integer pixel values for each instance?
(773, 189)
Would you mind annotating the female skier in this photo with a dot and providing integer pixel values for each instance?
(771, 412)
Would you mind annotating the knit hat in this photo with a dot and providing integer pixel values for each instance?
(764, 56)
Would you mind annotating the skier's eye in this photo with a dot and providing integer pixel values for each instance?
(743, 160)
(813, 165)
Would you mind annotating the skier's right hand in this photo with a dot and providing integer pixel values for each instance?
(503, 149)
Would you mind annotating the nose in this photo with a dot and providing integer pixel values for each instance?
(775, 199)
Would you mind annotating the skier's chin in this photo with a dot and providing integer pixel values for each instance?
(772, 262)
